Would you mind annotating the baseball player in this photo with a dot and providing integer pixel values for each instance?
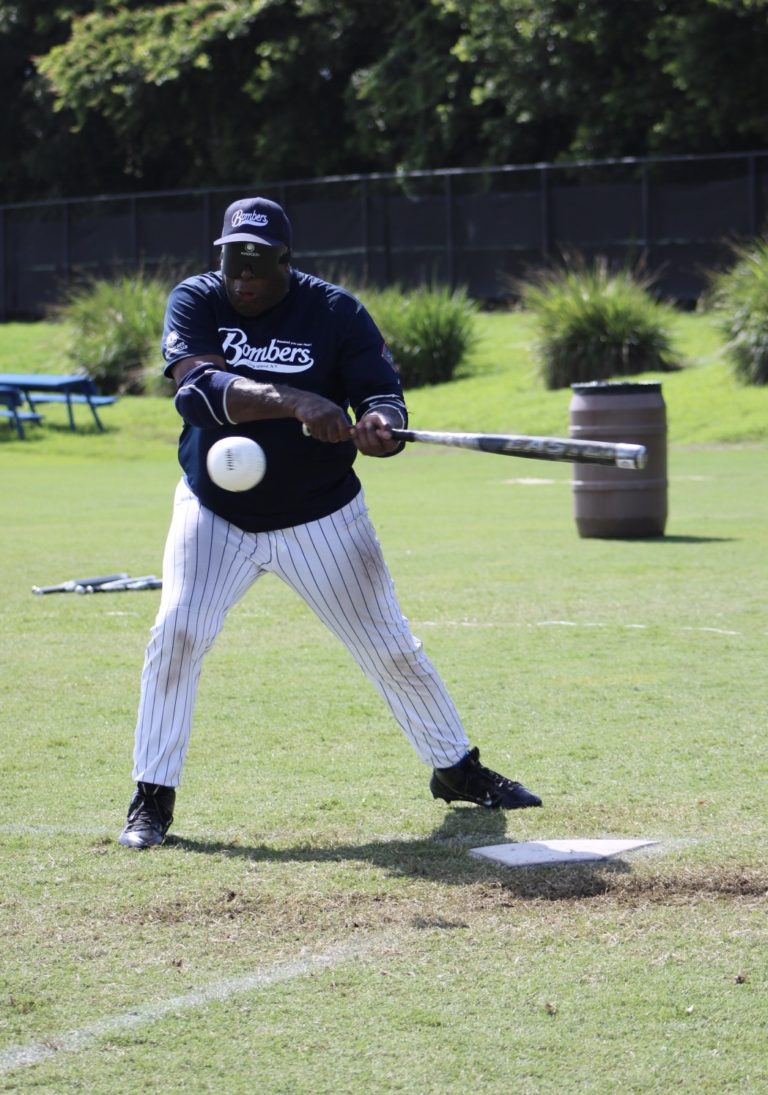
(260, 349)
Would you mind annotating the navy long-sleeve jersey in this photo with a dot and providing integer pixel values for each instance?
(320, 339)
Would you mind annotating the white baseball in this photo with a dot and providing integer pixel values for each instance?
(236, 463)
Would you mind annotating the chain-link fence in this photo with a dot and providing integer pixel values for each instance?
(478, 228)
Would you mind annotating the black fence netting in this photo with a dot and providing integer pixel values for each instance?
(478, 229)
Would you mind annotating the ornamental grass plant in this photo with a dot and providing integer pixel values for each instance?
(116, 326)
(595, 323)
(739, 298)
(430, 331)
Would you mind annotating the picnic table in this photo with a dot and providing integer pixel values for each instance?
(44, 388)
(12, 408)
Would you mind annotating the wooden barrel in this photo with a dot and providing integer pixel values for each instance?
(615, 503)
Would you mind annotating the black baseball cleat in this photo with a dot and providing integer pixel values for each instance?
(150, 814)
(469, 781)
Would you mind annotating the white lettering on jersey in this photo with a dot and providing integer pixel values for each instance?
(280, 356)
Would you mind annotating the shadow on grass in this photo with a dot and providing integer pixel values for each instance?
(441, 857)
(54, 429)
(687, 539)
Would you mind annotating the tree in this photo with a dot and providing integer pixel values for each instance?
(40, 158)
(410, 107)
(218, 91)
(565, 79)
(713, 56)
(132, 94)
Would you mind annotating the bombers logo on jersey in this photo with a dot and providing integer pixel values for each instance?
(280, 355)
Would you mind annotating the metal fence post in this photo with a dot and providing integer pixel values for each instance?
(134, 231)
(66, 236)
(365, 230)
(645, 207)
(450, 238)
(3, 264)
(752, 196)
(545, 238)
(206, 228)
(386, 239)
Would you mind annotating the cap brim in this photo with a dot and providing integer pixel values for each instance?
(243, 237)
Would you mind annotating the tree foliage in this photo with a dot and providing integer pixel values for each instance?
(40, 159)
(557, 79)
(212, 90)
(135, 94)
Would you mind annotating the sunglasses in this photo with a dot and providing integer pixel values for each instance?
(263, 261)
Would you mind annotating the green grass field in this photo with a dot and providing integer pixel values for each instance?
(316, 925)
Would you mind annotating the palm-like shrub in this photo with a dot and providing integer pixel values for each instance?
(117, 325)
(740, 297)
(430, 331)
(594, 323)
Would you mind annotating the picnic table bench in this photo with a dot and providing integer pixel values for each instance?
(42, 388)
(11, 407)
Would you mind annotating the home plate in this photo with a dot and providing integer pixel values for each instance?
(536, 852)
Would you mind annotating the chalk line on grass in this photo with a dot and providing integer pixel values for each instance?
(505, 625)
(531, 482)
(35, 1053)
(713, 630)
(639, 627)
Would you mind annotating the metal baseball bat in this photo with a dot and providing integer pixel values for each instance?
(618, 454)
(71, 586)
(123, 585)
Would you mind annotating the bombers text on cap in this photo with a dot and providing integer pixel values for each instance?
(256, 219)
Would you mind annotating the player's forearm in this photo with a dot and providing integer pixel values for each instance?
(249, 401)
(209, 396)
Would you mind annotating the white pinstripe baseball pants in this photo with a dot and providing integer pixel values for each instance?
(336, 565)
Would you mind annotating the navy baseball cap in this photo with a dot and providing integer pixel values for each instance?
(255, 220)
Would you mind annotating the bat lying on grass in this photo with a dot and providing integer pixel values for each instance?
(73, 583)
(123, 585)
(536, 448)
(105, 583)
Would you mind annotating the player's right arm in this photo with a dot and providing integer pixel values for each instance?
(208, 395)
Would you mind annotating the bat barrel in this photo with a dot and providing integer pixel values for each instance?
(619, 455)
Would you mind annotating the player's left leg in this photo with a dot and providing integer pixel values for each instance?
(336, 565)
